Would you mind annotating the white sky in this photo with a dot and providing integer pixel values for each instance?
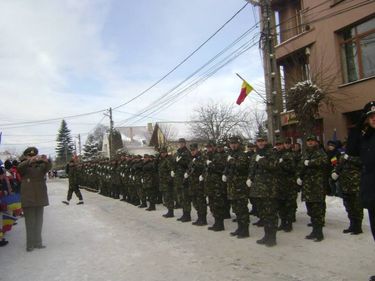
(62, 58)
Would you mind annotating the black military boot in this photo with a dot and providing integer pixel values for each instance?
(152, 207)
(169, 214)
(282, 225)
(318, 234)
(271, 241)
(219, 225)
(187, 217)
(198, 221)
(182, 217)
(235, 233)
(312, 235)
(213, 226)
(350, 228)
(357, 227)
(288, 226)
(265, 238)
(243, 232)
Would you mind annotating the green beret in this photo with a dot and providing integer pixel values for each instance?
(193, 146)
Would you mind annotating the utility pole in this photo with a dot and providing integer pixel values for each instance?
(110, 131)
(79, 146)
(274, 103)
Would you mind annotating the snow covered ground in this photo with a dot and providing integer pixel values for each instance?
(106, 239)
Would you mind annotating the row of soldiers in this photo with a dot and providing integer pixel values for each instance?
(224, 178)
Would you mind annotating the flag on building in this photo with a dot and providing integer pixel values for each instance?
(245, 91)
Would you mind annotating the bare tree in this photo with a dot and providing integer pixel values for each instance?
(216, 120)
(169, 133)
(253, 123)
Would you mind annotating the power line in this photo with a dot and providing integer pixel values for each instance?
(183, 61)
(165, 95)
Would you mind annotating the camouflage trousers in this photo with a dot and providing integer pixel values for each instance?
(133, 195)
(168, 199)
(371, 216)
(353, 206)
(241, 210)
(178, 187)
(218, 204)
(141, 193)
(267, 209)
(151, 193)
(316, 211)
(199, 201)
(75, 189)
(114, 190)
(288, 208)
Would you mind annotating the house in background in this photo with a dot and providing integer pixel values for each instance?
(333, 41)
(167, 134)
(135, 140)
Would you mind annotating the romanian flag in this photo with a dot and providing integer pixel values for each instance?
(245, 90)
(8, 222)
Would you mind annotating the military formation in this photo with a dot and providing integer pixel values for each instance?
(224, 177)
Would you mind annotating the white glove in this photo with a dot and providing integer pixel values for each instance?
(307, 162)
(249, 182)
(258, 157)
(346, 156)
(281, 160)
(334, 176)
(130, 176)
(299, 182)
(141, 180)
(178, 158)
(194, 159)
(208, 162)
(133, 178)
(186, 175)
(172, 174)
(229, 158)
(201, 178)
(224, 178)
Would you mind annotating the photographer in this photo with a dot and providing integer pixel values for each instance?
(34, 196)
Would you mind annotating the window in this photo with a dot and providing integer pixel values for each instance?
(358, 51)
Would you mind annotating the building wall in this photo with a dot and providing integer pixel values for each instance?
(323, 37)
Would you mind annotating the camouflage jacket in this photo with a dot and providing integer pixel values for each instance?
(349, 171)
(214, 172)
(285, 175)
(181, 161)
(236, 171)
(196, 169)
(261, 174)
(164, 171)
(148, 170)
(313, 175)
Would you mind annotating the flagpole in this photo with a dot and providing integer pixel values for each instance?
(253, 89)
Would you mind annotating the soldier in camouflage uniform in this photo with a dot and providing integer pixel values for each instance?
(263, 189)
(72, 171)
(194, 176)
(133, 162)
(287, 189)
(165, 181)
(215, 188)
(312, 179)
(137, 180)
(148, 177)
(121, 170)
(348, 173)
(115, 179)
(180, 166)
(236, 173)
(250, 152)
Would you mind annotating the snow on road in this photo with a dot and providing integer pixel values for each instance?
(106, 239)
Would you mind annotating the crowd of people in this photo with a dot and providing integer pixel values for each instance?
(224, 176)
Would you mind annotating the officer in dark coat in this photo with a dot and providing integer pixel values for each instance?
(367, 154)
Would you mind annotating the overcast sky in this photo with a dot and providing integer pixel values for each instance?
(66, 57)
